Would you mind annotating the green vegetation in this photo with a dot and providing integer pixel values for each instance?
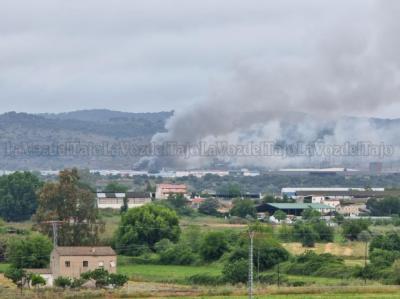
(115, 187)
(243, 208)
(71, 201)
(18, 198)
(32, 251)
(141, 228)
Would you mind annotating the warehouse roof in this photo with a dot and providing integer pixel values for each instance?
(299, 206)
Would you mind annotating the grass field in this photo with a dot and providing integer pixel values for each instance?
(3, 267)
(165, 273)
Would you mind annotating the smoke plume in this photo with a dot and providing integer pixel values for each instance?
(353, 70)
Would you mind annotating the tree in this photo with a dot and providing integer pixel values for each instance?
(384, 207)
(142, 227)
(18, 199)
(267, 252)
(32, 251)
(243, 208)
(310, 213)
(389, 241)
(305, 233)
(179, 203)
(209, 206)
(280, 215)
(352, 228)
(72, 203)
(115, 187)
(214, 245)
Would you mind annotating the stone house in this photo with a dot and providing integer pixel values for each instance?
(73, 261)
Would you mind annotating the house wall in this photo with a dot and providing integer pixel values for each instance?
(76, 267)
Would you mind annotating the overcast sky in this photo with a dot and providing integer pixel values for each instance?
(149, 55)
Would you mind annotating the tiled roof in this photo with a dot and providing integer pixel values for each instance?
(172, 186)
(299, 206)
(85, 251)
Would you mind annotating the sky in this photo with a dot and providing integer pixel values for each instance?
(154, 55)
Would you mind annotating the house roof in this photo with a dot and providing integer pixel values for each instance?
(84, 251)
(299, 206)
(171, 186)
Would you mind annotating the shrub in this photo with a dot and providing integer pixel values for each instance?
(37, 280)
(325, 265)
(177, 254)
(204, 279)
(272, 278)
(352, 228)
(76, 283)
(267, 253)
(15, 274)
(209, 206)
(117, 280)
(62, 282)
(236, 271)
(103, 278)
(213, 246)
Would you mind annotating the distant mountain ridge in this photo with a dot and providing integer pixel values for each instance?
(20, 132)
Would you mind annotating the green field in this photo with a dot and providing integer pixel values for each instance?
(3, 267)
(165, 273)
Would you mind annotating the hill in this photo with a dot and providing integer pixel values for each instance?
(90, 138)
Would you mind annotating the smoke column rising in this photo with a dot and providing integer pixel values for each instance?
(353, 70)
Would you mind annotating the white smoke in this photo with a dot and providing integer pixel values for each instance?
(353, 71)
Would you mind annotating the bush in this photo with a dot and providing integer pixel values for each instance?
(213, 246)
(62, 282)
(267, 252)
(352, 228)
(325, 265)
(103, 278)
(205, 279)
(209, 206)
(177, 254)
(272, 278)
(117, 280)
(37, 280)
(15, 274)
(236, 271)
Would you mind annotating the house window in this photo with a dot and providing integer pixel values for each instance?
(101, 264)
(85, 264)
(67, 264)
(112, 264)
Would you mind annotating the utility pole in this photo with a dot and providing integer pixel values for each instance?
(365, 261)
(251, 234)
(54, 224)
